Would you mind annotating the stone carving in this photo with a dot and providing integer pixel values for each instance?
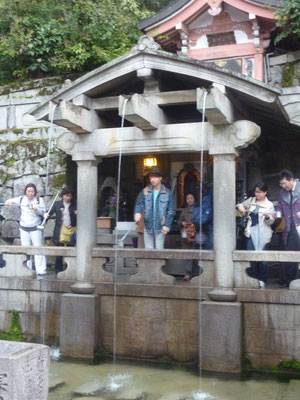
(241, 278)
(15, 266)
(214, 11)
(215, 7)
(242, 133)
(150, 271)
(23, 371)
(146, 43)
(67, 141)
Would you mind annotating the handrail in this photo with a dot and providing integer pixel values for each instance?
(39, 250)
(177, 254)
(267, 255)
(164, 254)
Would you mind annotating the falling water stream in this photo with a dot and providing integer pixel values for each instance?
(200, 247)
(116, 234)
(43, 283)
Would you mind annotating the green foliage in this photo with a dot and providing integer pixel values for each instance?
(288, 73)
(14, 334)
(101, 354)
(155, 5)
(288, 19)
(165, 360)
(59, 181)
(287, 369)
(40, 37)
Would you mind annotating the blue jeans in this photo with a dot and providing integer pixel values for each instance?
(154, 241)
(257, 269)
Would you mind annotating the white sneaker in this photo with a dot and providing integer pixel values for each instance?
(262, 284)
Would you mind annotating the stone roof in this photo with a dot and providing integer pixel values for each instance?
(255, 100)
(178, 4)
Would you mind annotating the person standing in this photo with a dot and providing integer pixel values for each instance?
(157, 203)
(188, 231)
(65, 214)
(289, 208)
(203, 217)
(32, 211)
(260, 216)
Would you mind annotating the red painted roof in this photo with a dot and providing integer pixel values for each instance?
(179, 4)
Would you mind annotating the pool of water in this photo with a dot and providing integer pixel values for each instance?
(137, 381)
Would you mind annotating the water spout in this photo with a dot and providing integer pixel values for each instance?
(200, 233)
(126, 99)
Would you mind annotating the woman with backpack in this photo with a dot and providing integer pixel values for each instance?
(32, 211)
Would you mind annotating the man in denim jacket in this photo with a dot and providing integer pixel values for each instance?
(156, 203)
(289, 208)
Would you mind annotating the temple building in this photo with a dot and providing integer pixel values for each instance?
(234, 34)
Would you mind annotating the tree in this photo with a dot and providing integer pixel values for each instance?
(288, 20)
(40, 37)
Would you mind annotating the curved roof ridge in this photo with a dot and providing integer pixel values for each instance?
(177, 5)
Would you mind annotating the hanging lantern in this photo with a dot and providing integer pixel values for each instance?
(150, 162)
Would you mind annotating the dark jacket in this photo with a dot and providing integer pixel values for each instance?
(284, 207)
(57, 210)
(164, 211)
(206, 214)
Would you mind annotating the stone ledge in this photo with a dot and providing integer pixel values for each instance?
(39, 250)
(275, 256)
(165, 254)
(269, 296)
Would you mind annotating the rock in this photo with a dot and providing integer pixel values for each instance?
(55, 383)
(90, 388)
(172, 396)
(10, 229)
(131, 394)
(91, 398)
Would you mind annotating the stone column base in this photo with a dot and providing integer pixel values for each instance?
(221, 336)
(79, 323)
(24, 371)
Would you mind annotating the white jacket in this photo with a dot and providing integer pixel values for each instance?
(29, 218)
(264, 225)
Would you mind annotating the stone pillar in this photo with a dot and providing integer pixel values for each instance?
(221, 348)
(24, 369)
(224, 226)
(86, 219)
(79, 325)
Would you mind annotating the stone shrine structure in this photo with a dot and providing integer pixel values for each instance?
(237, 108)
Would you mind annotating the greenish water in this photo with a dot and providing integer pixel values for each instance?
(137, 381)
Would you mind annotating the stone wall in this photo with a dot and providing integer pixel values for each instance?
(156, 321)
(24, 149)
(271, 333)
(151, 327)
(284, 70)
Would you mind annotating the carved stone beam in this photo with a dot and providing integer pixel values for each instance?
(147, 76)
(167, 138)
(76, 119)
(218, 108)
(158, 98)
(99, 104)
(141, 113)
(232, 138)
